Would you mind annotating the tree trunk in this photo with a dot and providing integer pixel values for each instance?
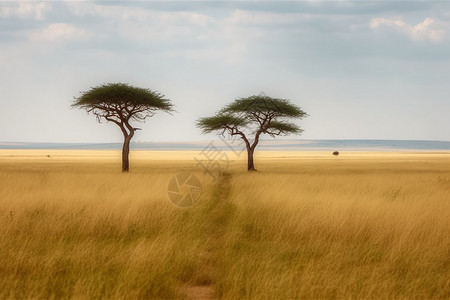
(250, 164)
(250, 151)
(127, 136)
(125, 153)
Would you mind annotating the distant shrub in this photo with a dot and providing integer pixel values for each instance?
(336, 153)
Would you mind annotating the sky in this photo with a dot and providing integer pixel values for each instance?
(360, 69)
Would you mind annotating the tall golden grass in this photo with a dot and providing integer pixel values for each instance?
(307, 225)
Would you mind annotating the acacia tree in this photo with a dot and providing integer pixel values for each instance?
(122, 103)
(259, 115)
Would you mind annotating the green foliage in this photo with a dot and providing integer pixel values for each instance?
(121, 101)
(220, 121)
(283, 127)
(261, 113)
(122, 93)
(265, 105)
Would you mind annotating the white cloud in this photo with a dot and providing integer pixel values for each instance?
(429, 29)
(26, 10)
(144, 25)
(137, 14)
(60, 31)
(227, 39)
(264, 18)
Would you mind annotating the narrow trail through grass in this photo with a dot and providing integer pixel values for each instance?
(219, 211)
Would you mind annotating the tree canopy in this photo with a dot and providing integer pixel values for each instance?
(119, 102)
(270, 115)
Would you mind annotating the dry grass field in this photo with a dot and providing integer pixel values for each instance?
(307, 225)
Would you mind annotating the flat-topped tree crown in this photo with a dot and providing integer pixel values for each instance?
(264, 105)
(121, 103)
(260, 114)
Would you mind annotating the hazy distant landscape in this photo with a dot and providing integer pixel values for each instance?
(274, 145)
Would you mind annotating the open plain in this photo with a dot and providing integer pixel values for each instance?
(306, 225)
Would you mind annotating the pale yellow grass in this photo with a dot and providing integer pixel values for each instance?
(307, 225)
(361, 225)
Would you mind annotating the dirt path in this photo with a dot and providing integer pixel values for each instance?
(218, 216)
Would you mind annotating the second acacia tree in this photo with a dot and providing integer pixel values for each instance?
(252, 116)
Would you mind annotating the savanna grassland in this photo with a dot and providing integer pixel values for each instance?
(307, 225)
